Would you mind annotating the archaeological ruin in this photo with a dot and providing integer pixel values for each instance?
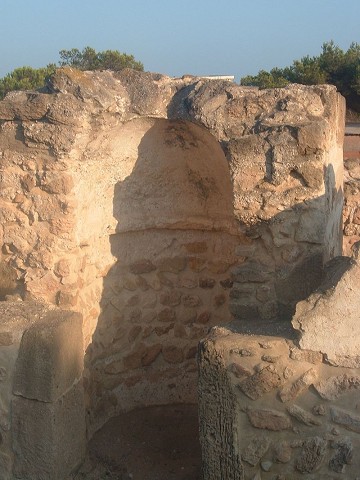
(179, 240)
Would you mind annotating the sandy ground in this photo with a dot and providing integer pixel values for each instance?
(154, 443)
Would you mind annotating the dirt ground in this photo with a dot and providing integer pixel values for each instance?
(153, 443)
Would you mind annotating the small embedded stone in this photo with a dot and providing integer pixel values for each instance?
(142, 266)
(172, 264)
(306, 356)
(302, 415)
(133, 360)
(319, 409)
(134, 333)
(239, 371)
(255, 450)
(207, 283)
(165, 280)
(150, 355)
(171, 298)
(187, 282)
(191, 300)
(180, 331)
(163, 330)
(311, 455)
(260, 383)
(203, 317)
(269, 419)
(243, 352)
(227, 283)
(293, 390)
(173, 354)
(342, 457)
(266, 465)
(288, 373)
(133, 301)
(196, 247)
(166, 315)
(282, 452)
(270, 358)
(219, 300)
(196, 264)
(346, 419)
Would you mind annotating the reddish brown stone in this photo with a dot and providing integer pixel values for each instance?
(207, 282)
(180, 331)
(134, 333)
(172, 264)
(142, 266)
(134, 359)
(196, 247)
(151, 355)
(165, 280)
(218, 267)
(196, 264)
(173, 354)
(219, 300)
(356, 217)
(133, 301)
(191, 353)
(166, 315)
(203, 317)
(227, 283)
(163, 330)
(171, 298)
(191, 300)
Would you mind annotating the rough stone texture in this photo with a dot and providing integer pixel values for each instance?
(48, 438)
(40, 439)
(158, 208)
(50, 357)
(308, 439)
(351, 211)
(328, 320)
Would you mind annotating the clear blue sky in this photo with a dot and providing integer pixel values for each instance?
(199, 37)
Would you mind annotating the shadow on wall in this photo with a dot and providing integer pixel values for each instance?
(180, 268)
(174, 245)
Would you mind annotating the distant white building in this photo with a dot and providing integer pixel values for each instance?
(229, 78)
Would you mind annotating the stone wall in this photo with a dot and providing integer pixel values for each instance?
(351, 213)
(284, 404)
(158, 207)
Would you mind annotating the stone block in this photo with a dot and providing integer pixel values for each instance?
(49, 439)
(50, 357)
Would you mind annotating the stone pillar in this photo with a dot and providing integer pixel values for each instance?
(42, 416)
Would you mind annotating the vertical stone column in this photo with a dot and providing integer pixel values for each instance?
(48, 415)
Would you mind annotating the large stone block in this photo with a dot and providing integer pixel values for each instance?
(50, 358)
(49, 438)
(328, 320)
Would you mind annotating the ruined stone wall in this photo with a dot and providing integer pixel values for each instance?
(158, 207)
(287, 401)
(351, 213)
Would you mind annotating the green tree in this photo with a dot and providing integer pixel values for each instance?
(333, 66)
(25, 78)
(28, 78)
(89, 59)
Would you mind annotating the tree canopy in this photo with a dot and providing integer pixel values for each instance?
(89, 59)
(28, 78)
(333, 66)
